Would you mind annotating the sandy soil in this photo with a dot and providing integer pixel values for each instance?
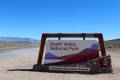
(10, 70)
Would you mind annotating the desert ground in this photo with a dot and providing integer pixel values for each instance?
(10, 68)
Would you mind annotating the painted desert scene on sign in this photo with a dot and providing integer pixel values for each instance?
(72, 53)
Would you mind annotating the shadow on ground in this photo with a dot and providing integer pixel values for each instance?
(20, 70)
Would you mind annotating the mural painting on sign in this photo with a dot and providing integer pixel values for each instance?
(69, 51)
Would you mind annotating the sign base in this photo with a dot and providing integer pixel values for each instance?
(90, 66)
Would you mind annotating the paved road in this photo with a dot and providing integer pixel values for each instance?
(6, 55)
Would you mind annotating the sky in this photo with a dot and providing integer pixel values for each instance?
(31, 18)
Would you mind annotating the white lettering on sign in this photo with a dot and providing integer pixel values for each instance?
(59, 68)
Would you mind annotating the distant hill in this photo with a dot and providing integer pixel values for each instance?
(115, 43)
(17, 40)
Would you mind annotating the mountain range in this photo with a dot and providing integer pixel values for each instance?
(17, 40)
(114, 43)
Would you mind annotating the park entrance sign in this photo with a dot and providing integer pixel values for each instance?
(70, 51)
(73, 55)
